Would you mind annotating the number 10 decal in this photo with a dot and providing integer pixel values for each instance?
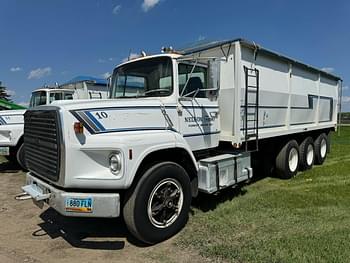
(101, 115)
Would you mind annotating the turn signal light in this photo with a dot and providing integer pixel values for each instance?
(78, 128)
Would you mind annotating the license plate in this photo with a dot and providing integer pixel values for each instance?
(4, 150)
(79, 205)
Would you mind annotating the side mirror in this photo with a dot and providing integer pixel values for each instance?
(109, 81)
(109, 86)
(213, 77)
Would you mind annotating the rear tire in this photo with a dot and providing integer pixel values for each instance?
(307, 154)
(321, 148)
(287, 160)
(158, 206)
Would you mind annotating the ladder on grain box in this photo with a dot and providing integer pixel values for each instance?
(251, 109)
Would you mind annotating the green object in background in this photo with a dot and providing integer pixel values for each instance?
(5, 105)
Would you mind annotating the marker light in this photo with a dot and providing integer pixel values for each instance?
(78, 128)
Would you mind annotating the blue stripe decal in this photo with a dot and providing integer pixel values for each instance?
(14, 123)
(136, 129)
(2, 121)
(93, 119)
(263, 127)
(147, 107)
(200, 134)
(302, 123)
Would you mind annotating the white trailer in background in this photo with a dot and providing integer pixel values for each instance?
(12, 122)
(176, 123)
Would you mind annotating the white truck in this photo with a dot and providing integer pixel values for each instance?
(175, 124)
(12, 121)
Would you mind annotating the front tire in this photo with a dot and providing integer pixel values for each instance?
(287, 160)
(157, 208)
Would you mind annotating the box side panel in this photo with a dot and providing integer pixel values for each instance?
(328, 100)
(304, 96)
(291, 98)
(273, 90)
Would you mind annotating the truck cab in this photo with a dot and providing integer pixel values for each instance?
(12, 121)
(47, 96)
(143, 142)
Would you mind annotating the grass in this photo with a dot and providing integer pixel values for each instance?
(305, 219)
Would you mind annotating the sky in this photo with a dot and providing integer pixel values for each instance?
(43, 42)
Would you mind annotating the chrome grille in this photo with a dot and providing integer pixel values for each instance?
(42, 143)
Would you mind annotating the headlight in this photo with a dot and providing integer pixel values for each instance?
(115, 162)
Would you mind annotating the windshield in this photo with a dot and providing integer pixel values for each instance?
(145, 78)
(38, 98)
(60, 95)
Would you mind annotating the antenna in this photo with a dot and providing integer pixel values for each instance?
(129, 54)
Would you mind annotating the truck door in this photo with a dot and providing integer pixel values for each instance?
(198, 111)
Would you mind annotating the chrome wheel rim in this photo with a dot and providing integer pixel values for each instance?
(323, 149)
(165, 203)
(293, 160)
(310, 154)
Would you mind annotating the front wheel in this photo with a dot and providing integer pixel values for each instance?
(157, 208)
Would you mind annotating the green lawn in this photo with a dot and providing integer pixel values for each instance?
(305, 219)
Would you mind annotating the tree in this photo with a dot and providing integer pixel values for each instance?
(3, 93)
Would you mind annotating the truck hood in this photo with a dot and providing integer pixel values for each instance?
(108, 103)
(118, 115)
(12, 112)
(10, 117)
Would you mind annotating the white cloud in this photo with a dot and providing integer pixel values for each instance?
(132, 56)
(11, 92)
(345, 87)
(200, 38)
(328, 69)
(116, 9)
(105, 75)
(149, 4)
(104, 60)
(15, 69)
(39, 73)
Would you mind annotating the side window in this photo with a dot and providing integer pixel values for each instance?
(68, 96)
(55, 96)
(196, 81)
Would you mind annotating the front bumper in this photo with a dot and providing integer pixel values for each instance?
(104, 204)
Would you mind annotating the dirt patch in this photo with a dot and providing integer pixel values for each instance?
(28, 234)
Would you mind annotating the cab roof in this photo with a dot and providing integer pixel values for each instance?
(54, 90)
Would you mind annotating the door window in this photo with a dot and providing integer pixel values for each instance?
(55, 96)
(195, 81)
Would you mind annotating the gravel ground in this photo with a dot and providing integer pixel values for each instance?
(29, 234)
